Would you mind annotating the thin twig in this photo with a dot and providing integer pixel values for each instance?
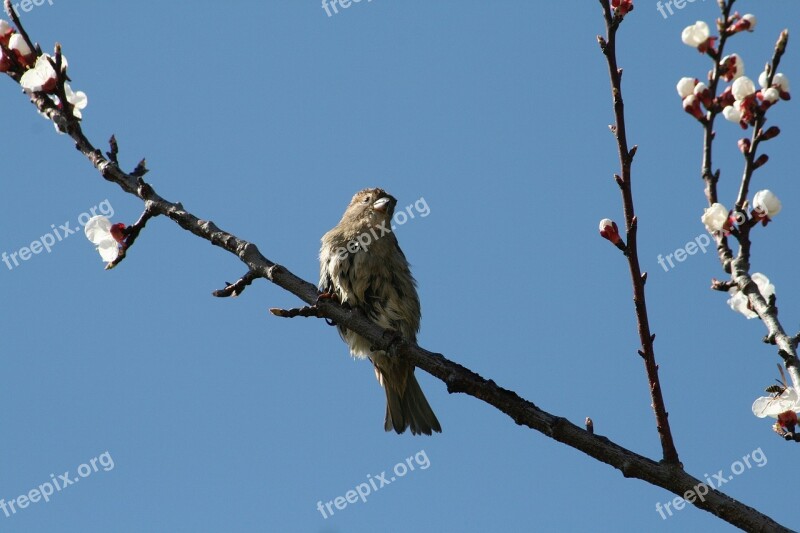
(608, 46)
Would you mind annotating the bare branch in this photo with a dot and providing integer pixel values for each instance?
(608, 46)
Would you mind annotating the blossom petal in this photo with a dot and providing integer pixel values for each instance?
(98, 229)
(771, 406)
(109, 250)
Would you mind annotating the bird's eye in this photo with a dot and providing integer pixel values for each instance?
(367, 200)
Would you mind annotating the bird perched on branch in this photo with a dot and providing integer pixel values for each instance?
(362, 265)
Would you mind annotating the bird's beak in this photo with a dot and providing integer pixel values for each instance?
(382, 204)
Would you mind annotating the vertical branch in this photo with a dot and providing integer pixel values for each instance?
(709, 176)
(738, 266)
(608, 47)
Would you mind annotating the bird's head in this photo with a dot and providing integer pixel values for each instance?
(369, 208)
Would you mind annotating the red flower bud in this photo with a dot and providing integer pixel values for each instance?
(726, 98)
(744, 145)
(788, 419)
(622, 6)
(772, 132)
(118, 232)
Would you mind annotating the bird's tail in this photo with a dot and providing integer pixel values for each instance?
(409, 409)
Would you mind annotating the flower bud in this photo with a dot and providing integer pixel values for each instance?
(771, 95)
(771, 133)
(691, 104)
(686, 86)
(608, 230)
(781, 81)
(746, 23)
(731, 67)
(5, 32)
(5, 60)
(622, 7)
(744, 145)
(695, 35)
(726, 98)
(766, 204)
(732, 113)
(743, 87)
(20, 48)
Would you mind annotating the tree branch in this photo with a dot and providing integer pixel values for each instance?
(739, 266)
(668, 475)
(608, 47)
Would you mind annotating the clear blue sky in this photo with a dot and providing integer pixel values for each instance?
(266, 117)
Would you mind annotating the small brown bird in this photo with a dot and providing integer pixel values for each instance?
(362, 264)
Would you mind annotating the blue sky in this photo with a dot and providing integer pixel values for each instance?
(266, 117)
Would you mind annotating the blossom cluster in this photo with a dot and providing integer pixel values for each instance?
(38, 73)
(740, 102)
(717, 217)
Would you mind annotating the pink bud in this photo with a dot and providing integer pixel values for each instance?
(5, 32)
(726, 98)
(622, 7)
(744, 145)
(746, 23)
(118, 232)
(5, 61)
(691, 104)
(608, 230)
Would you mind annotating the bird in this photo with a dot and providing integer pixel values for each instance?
(362, 265)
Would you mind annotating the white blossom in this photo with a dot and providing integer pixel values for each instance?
(696, 34)
(732, 113)
(42, 77)
(767, 203)
(739, 302)
(18, 44)
(98, 230)
(766, 288)
(743, 87)
(772, 406)
(685, 87)
(781, 81)
(714, 217)
(771, 95)
(78, 100)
